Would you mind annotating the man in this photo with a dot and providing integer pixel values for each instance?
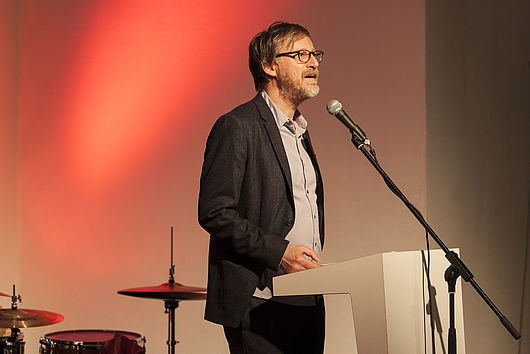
(261, 201)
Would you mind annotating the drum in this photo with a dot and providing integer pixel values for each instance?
(86, 341)
(10, 345)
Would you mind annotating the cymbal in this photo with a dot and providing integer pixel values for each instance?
(167, 291)
(24, 318)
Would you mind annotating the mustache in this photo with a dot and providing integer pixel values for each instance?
(311, 72)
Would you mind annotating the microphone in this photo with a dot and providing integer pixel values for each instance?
(335, 108)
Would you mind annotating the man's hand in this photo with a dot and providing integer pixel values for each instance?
(294, 259)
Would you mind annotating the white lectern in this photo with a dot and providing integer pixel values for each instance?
(388, 294)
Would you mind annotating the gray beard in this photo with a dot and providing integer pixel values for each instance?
(297, 94)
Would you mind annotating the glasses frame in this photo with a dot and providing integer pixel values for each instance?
(298, 54)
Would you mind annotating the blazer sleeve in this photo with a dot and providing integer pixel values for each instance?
(222, 175)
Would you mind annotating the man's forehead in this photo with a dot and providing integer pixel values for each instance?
(300, 42)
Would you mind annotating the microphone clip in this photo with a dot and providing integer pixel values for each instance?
(358, 142)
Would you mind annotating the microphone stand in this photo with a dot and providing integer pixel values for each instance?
(450, 277)
(360, 141)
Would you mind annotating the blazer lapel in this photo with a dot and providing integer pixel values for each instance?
(276, 140)
(320, 188)
(309, 148)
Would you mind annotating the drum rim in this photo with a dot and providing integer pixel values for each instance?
(46, 339)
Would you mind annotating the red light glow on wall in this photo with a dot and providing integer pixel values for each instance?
(105, 87)
(136, 71)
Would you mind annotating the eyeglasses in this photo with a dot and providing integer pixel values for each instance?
(303, 55)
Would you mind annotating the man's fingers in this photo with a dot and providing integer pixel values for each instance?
(311, 253)
(307, 264)
(297, 258)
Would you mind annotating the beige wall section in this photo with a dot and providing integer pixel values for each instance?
(478, 153)
(8, 149)
(374, 64)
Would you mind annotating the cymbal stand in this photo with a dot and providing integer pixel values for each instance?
(15, 331)
(14, 299)
(170, 306)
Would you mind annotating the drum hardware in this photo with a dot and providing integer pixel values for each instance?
(171, 293)
(89, 341)
(12, 344)
(15, 318)
(14, 298)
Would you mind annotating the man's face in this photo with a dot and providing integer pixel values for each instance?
(297, 81)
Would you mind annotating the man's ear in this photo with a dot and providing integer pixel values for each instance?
(269, 69)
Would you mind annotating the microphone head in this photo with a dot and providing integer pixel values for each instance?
(334, 107)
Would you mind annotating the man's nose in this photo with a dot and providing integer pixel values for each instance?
(313, 62)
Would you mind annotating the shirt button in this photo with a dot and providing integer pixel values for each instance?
(289, 222)
(307, 191)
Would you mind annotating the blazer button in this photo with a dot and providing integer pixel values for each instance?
(289, 222)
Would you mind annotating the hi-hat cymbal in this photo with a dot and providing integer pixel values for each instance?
(24, 318)
(167, 291)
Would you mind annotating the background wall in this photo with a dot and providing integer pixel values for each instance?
(115, 101)
(9, 235)
(478, 155)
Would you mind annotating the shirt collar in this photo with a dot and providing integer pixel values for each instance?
(282, 120)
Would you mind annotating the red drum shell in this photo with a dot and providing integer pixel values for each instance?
(86, 341)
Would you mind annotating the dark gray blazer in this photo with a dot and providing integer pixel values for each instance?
(246, 205)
